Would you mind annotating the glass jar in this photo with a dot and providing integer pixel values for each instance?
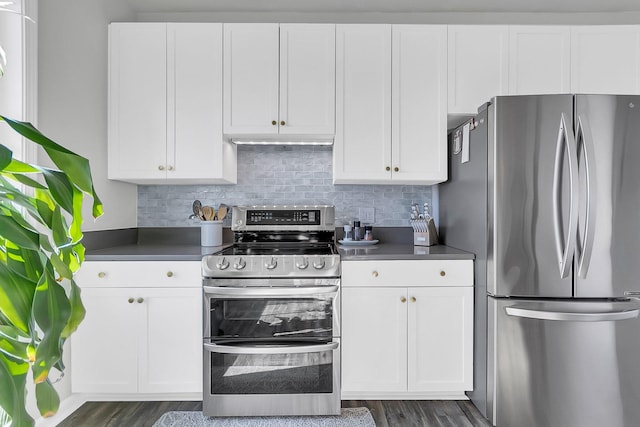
(356, 230)
(348, 233)
(368, 232)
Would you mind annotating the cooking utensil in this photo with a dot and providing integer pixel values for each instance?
(222, 212)
(209, 213)
(197, 209)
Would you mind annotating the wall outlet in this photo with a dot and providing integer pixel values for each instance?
(367, 215)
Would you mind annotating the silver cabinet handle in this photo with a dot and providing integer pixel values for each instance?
(286, 349)
(604, 316)
(565, 242)
(248, 293)
(584, 142)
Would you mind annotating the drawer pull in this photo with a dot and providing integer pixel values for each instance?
(374, 274)
(140, 300)
(443, 273)
(131, 300)
(169, 273)
(102, 274)
(413, 299)
(403, 299)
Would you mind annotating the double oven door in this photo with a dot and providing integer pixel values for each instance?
(271, 347)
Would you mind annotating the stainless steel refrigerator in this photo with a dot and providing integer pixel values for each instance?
(549, 201)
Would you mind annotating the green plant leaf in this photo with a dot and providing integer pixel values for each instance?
(76, 167)
(51, 311)
(24, 180)
(77, 311)
(47, 399)
(5, 157)
(16, 297)
(60, 188)
(16, 166)
(13, 376)
(11, 230)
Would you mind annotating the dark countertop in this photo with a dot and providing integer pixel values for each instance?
(400, 251)
(183, 244)
(141, 252)
(149, 244)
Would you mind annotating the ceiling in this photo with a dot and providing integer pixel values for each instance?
(387, 6)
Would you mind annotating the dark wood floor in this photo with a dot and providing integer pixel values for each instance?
(386, 413)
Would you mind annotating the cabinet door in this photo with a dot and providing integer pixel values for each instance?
(171, 349)
(478, 66)
(194, 131)
(104, 349)
(251, 78)
(362, 146)
(374, 340)
(307, 79)
(440, 343)
(605, 59)
(539, 59)
(419, 107)
(137, 100)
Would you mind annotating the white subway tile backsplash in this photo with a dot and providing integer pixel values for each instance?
(281, 175)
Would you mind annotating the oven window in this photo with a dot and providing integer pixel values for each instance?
(271, 318)
(297, 373)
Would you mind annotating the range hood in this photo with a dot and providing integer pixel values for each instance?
(282, 140)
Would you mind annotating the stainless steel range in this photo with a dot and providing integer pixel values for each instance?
(271, 308)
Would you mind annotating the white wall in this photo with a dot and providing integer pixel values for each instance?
(72, 101)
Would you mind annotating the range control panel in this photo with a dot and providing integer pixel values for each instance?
(278, 217)
(283, 218)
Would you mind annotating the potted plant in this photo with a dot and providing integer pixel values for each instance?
(40, 249)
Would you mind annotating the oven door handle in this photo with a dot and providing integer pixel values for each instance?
(246, 293)
(230, 349)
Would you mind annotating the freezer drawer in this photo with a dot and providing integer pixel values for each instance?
(561, 363)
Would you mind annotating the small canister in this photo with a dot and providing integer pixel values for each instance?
(348, 233)
(356, 230)
(368, 232)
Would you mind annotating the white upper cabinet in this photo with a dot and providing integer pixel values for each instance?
(165, 104)
(419, 104)
(605, 59)
(251, 78)
(279, 79)
(478, 66)
(391, 104)
(362, 146)
(307, 79)
(539, 59)
(137, 101)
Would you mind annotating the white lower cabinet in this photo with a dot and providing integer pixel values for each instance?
(139, 339)
(407, 341)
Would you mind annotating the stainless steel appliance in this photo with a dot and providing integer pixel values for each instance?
(549, 201)
(271, 309)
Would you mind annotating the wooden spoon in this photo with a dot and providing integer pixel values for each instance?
(208, 212)
(222, 212)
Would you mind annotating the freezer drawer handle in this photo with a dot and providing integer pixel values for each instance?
(286, 349)
(604, 316)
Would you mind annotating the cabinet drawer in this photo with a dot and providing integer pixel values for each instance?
(408, 273)
(139, 274)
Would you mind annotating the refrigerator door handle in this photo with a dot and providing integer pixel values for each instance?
(584, 142)
(604, 316)
(565, 242)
